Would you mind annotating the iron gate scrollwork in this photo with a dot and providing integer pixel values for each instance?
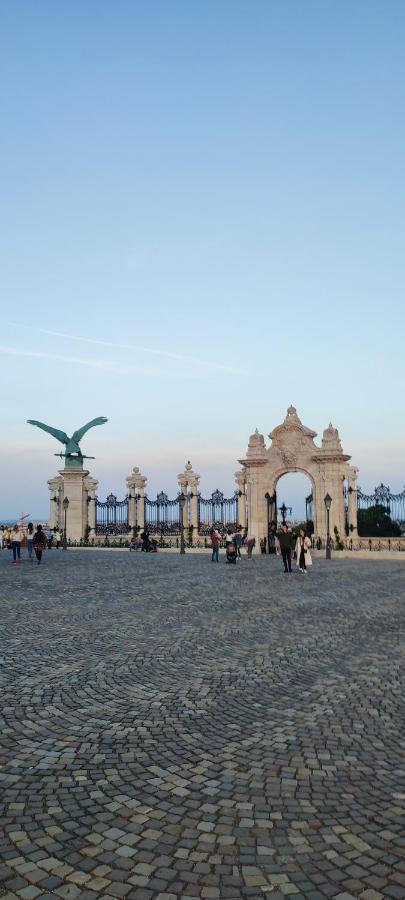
(162, 516)
(112, 516)
(383, 502)
(218, 511)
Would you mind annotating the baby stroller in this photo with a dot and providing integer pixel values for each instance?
(231, 552)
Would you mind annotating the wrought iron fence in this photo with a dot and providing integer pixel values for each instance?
(112, 516)
(218, 511)
(394, 504)
(387, 506)
(162, 516)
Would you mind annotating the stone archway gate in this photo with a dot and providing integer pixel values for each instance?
(293, 449)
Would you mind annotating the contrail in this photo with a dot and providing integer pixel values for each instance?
(111, 367)
(193, 360)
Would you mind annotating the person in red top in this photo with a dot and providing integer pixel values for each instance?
(215, 544)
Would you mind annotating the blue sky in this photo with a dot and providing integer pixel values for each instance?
(202, 219)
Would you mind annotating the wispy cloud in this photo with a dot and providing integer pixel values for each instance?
(114, 368)
(134, 348)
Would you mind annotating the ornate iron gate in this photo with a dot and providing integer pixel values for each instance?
(218, 511)
(112, 516)
(162, 516)
(392, 505)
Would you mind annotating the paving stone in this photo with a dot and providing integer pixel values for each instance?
(171, 728)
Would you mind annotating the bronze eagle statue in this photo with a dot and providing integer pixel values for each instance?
(71, 443)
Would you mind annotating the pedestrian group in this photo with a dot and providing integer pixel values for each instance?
(16, 538)
(287, 544)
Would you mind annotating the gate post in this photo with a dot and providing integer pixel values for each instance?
(91, 485)
(190, 479)
(352, 473)
(136, 483)
(241, 482)
(56, 488)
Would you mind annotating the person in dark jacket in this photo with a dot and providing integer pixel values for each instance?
(285, 539)
(39, 543)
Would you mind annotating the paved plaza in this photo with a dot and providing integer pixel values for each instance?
(176, 728)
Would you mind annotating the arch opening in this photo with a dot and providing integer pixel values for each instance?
(295, 499)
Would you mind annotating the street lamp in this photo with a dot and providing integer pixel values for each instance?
(328, 503)
(284, 510)
(182, 503)
(65, 509)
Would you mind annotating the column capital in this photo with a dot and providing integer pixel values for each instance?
(137, 481)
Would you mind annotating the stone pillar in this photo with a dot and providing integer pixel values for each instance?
(91, 486)
(352, 473)
(254, 511)
(194, 503)
(74, 489)
(188, 484)
(240, 478)
(55, 509)
(136, 483)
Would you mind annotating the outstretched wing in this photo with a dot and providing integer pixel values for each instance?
(77, 436)
(59, 435)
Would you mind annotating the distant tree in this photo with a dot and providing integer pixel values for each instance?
(375, 522)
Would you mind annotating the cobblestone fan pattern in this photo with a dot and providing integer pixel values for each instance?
(176, 728)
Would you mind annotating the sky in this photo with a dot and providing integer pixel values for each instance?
(202, 220)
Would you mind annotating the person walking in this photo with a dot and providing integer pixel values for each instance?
(285, 540)
(49, 538)
(215, 544)
(16, 538)
(237, 539)
(302, 548)
(39, 543)
(1, 537)
(57, 538)
(30, 537)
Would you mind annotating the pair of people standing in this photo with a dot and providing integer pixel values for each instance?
(302, 549)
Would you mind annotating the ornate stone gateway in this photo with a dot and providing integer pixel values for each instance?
(293, 449)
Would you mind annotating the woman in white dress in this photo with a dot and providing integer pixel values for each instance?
(302, 549)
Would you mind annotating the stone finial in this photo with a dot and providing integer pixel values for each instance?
(256, 447)
(292, 417)
(188, 477)
(331, 439)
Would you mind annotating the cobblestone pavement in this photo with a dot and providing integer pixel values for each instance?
(176, 728)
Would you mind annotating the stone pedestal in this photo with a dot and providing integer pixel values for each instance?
(76, 515)
(80, 489)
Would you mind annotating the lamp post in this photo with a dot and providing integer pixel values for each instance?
(328, 503)
(65, 509)
(284, 510)
(182, 503)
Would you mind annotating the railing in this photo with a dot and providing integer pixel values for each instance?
(112, 516)
(382, 512)
(354, 544)
(217, 511)
(162, 516)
